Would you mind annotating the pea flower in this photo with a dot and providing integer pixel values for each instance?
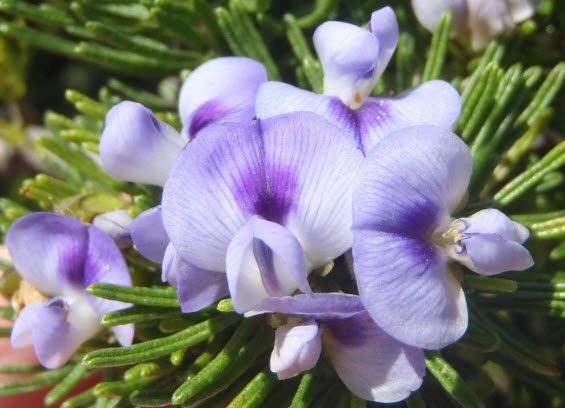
(353, 60)
(136, 146)
(404, 236)
(254, 207)
(372, 364)
(481, 20)
(58, 257)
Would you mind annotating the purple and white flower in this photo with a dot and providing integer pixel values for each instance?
(481, 20)
(264, 202)
(136, 146)
(60, 256)
(353, 59)
(372, 364)
(404, 236)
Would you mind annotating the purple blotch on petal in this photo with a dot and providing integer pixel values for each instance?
(206, 114)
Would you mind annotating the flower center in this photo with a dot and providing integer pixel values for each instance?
(450, 235)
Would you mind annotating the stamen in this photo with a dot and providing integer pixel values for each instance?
(358, 98)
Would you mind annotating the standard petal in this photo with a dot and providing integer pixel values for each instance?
(411, 181)
(349, 55)
(491, 221)
(295, 170)
(408, 291)
(263, 260)
(432, 103)
(428, 13)
(521, 10)
(136, 146)
(116, 224)
(384, 27)
(197, 288)
(373, 365)
(491, 254)
(277, 98)
(60, 328)
(149, 235)
(297, 349)
(49, 250)
(322, 306)
(21, 335)
(222, 89)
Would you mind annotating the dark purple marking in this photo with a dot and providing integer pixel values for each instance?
(209, 112)
(373, 113)
(415, 217)
(268, 193)
(264, 258)
(73, 258)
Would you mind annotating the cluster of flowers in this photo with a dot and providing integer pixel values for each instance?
(267, 182)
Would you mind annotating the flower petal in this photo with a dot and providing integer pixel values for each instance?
(490, 254)
(49, 250)
(373, 365)
(428, 14)
(149, 235)
(297, 349)
(349, 55)
(105, 263)
(116, 224)
(197, 288)
(491, 221)
(264, 260)
(60, 328)
(405, 286)
(135, 146)
(322, 306)
(21, 335)
(521, 10)
(487, 20)
(411, 181)
(432, 103)
(295, 170)
(277, 98)
(222, 89)
(384, 27)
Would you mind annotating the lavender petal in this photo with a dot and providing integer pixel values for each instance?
(136, 146)
(222, 89)
(349, 55)
(411, 181)
(297, 349)
(407, 289)
(197, 288)
(251, 277)
(432, 103)
(372, 364)
(322, 306)
(49, 250)
(149, 235)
